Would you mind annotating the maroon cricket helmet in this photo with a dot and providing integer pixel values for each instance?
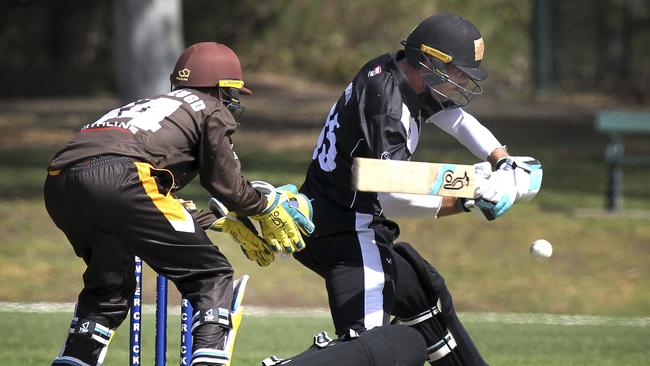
(208, 64)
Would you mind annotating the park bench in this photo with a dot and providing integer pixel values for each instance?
(615, 124)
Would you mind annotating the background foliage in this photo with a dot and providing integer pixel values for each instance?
(64, 47)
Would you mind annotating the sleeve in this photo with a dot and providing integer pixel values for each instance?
(380, 114)
(468, 131)
(205, 218)
(220, 169)
(409, 205)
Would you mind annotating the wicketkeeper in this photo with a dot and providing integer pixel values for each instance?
(111, 190)
(381, 114)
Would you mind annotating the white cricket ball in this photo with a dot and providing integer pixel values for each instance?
(541, 249)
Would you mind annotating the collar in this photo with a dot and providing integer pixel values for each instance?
(420, 105)
(408, 95)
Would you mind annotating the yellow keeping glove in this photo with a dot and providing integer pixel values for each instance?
(287, 215)
(243, 232)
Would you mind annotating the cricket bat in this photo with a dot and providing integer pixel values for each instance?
(442, 179)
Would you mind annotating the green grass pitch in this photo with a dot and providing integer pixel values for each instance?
(34, 339)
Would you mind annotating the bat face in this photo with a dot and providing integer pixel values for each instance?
(442, 179)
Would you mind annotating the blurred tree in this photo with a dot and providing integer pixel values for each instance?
(52, 47)
(602, 47)
(147, 42)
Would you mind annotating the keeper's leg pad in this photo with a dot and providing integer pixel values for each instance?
(212, 323)
(390, 345)
(236, 313)
(448, 343)
(87, 344)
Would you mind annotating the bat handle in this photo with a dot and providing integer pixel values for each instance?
(467, 204)
(489, 214)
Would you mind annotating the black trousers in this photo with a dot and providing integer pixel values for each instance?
(368, 281)
(391, 345)
(112, 208)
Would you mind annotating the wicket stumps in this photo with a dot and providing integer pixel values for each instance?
(160, 357)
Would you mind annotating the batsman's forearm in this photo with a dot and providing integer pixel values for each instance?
(450, 206)
(497, 154)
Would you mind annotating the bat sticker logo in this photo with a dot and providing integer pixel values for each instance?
(455, 183)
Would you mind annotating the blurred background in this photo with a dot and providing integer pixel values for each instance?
(553, 66)
(580, 49)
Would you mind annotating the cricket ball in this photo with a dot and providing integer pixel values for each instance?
(541, 250)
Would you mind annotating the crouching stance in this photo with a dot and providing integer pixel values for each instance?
(111, 190)
(427, 306)
(383, 113)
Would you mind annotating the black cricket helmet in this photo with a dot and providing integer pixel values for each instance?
(448, 45)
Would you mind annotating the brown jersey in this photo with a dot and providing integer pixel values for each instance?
(185, 131)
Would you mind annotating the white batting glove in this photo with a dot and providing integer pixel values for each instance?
(482, 173)
(528, 177)
(517, 178)
(495, 191)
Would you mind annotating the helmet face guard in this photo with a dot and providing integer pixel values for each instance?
(456, 87)
(449, 85)
(229, 95)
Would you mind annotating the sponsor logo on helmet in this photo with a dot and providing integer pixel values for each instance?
(436, 53)
(375, 71)
(479, 48)
(231, 83)
(183, 74)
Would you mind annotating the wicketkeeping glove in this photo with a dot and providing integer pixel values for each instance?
(242, 231)
(287, 215)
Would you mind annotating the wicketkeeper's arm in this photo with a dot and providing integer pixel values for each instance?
(205, 218)
(242, 230)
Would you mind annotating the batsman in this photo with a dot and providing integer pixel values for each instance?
(112, 189)
(371, 279)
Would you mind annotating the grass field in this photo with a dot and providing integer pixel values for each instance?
(599, 268)
(505, 339)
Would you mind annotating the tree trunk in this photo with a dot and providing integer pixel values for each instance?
(148, 38)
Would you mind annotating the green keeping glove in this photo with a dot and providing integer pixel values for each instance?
(283, 220)
(302, 211)
(242, 230)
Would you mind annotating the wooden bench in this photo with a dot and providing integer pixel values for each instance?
(616, 123)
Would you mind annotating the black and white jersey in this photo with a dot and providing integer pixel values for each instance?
(377, 116)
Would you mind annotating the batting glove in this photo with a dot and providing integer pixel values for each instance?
(516, 179)
(528, 177)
